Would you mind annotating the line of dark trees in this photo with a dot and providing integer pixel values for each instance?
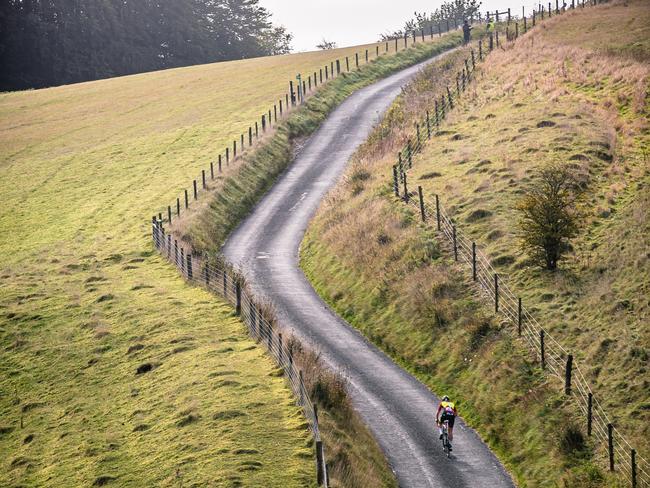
(53, 42)
(453, 9)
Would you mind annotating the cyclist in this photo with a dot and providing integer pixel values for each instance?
(490, 25)
(446, 411)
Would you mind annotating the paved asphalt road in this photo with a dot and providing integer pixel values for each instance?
(399, 409)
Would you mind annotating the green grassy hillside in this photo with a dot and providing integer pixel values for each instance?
(85, 304)
(389, 276)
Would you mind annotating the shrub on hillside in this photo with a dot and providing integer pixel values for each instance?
(550, 214)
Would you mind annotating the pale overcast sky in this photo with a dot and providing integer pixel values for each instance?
(351, 22)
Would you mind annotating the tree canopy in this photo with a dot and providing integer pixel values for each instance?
(53, 42)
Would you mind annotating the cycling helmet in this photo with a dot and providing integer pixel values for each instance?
(445, 398)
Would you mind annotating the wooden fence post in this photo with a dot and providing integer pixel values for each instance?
(190, 274)
(422, 214)
(366, 56)
(320, 471)
(181, 263)
(567, 374)
(610, 445)
(480, 50)
(453, 236)
(301, 388)
(400, 163)
(203, 178)
(347, 64)
(633, 461)
(474, 261)
(187, 199)
(178, 206)
(541, 348)
(395, 181)
(211, 170)
(356, 58)
(417, 131)
(293, 95)
(169, 214)
(496, 293)
(438, 211)
(196, 192)
(406, 191)
(219, 158)
(428, 126)
(227, 156)
(519, 317)
(206, 274)
(590, 406)
(237, 298)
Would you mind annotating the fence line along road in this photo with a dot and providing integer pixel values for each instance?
(218, 278)
(298, 92)
(552, 356)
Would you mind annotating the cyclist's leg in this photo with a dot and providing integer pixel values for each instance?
(451, 427)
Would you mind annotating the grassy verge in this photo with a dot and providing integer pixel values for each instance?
(383, 272)
(579, 97)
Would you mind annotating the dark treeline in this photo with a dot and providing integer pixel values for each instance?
(455, 9)
(54, 42)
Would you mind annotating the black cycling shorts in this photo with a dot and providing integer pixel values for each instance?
(449, 418)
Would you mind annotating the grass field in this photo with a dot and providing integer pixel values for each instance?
(113, 369)
(388, 276)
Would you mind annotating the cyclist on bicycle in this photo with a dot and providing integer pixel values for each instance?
(446, 411)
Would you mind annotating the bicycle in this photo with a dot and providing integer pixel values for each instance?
(445, 438)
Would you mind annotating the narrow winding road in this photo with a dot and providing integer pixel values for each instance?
(399, 410)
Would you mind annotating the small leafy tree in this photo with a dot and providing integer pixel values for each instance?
(550, 214)
(326, 45)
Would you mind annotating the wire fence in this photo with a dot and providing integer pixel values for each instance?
(553, 357)
(220, 279)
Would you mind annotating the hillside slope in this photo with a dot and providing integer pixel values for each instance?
(390, 277)
(113, 369)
